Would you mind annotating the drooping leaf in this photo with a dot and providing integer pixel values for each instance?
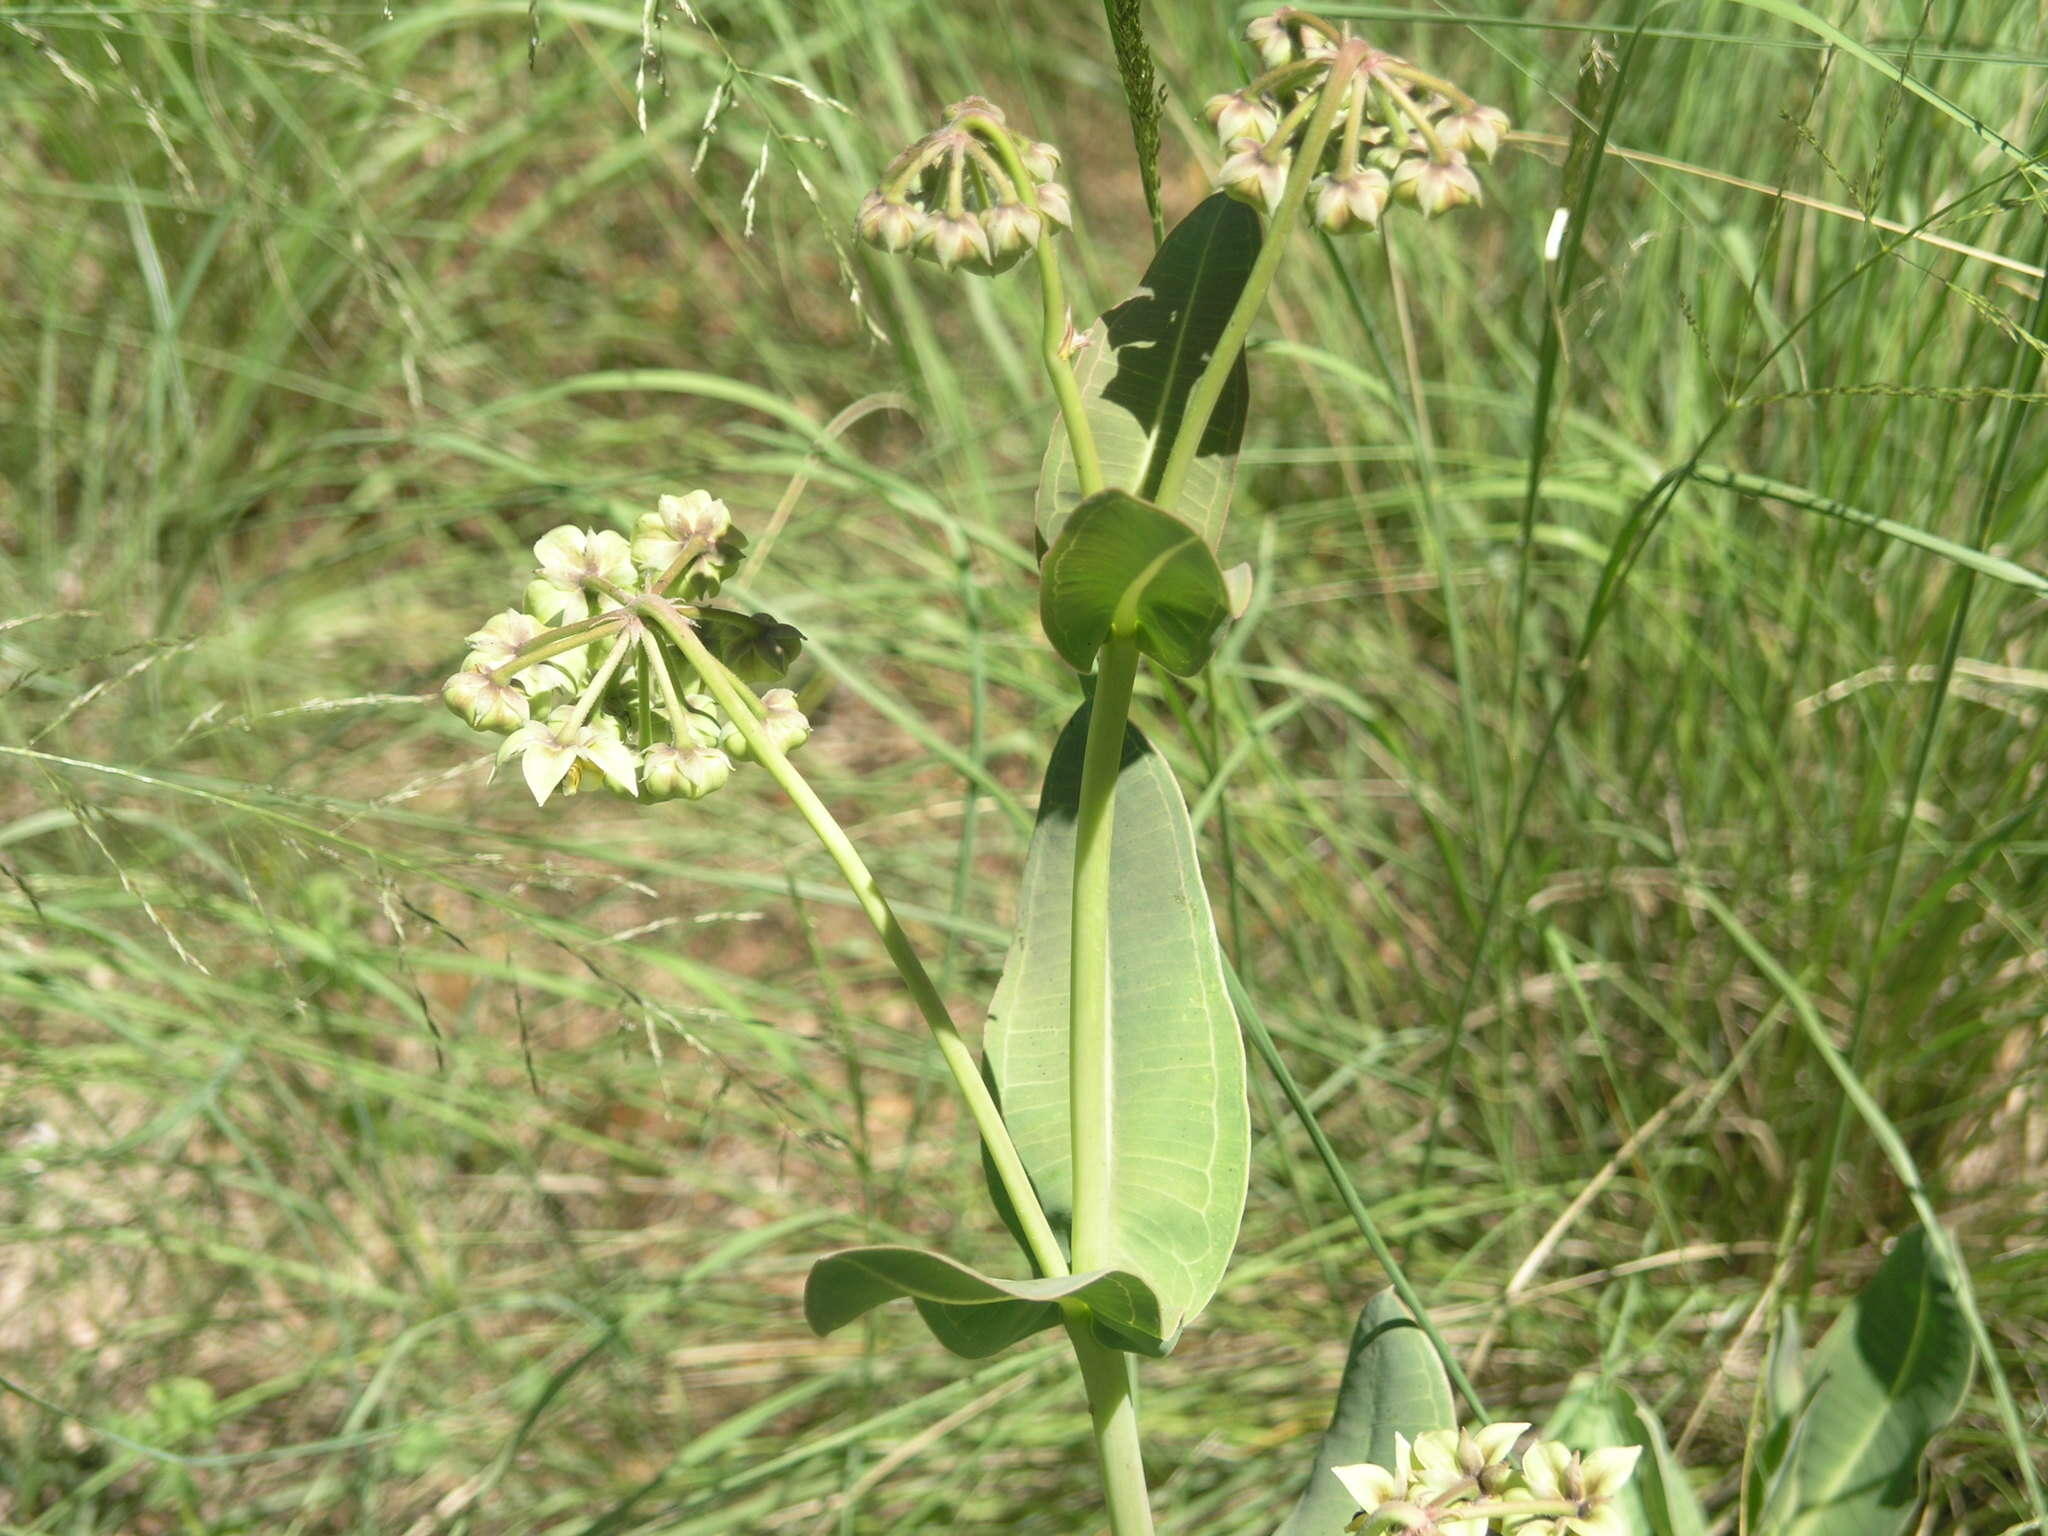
(1181, 1138)
(1886, 1377)
(1393, 1384)
(1126, 566)
(971, 1313)
(1141, 361)
(1658, 1500)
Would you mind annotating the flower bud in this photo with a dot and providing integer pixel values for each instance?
(1041, 160)
(1477, 133)
(682, 773)
(1254, 175)
(486, 703)
(888, 224)
(1012, 229)
(1054, 205)
(700, 722)
(954, 240)
(1269, 35)
(1345, 202)
(1238, 115)
(1436, 186)
(783, 722)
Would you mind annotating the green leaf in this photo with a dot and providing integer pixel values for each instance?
(1181, 1139)
(1393, 1384)
(1889, 1374)
(1658, 1500)
(1125, 566)
(969, 1312)
(1141, 361)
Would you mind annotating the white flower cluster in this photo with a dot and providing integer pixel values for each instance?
(970, 194)
(1460, 1482)
(587, 680)
(1399, 135)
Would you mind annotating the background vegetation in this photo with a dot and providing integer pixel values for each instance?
(380, 1155)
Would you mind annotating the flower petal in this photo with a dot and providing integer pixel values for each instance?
(1608, 1470)
(1497, 1440)
(544, 765)
(1543, 1468)
(1369, 1486)
(611, 757)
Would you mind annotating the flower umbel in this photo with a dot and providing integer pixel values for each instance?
(1397, 133)
(972, 194)
(591, 681)
(1466, 1482)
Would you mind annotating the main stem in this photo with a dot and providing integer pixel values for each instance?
(1111, 1377)
(1090, 1062)
(959, 1059)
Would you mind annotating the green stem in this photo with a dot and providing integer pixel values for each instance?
(1053, 319)
(1090, 1063)
(734, 698)
(1110, 1377)
(554, 642)
(1208, 388)
(1065, 387)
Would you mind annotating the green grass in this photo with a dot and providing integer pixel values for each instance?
(379, 1155)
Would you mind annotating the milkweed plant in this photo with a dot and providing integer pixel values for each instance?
(1110, 1095)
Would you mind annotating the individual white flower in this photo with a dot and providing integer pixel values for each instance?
(1554, 1471)
(561, 753)
(684, 772)
(1054, 204)
(659, 536)
(888, 223)
(1041, 160)
(1370, 1486)
(700, 721)
(570, 557)
(1240, 115)
(781, 722)
(1436, 186)
(505, 634)
(1445, 1459)
(1344, 201)
(1012, 228)
(954, 240)
(1255, 174)
(1269, 34)
(1477, 132)
(486, 703)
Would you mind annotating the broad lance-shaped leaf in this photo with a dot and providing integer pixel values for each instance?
(1393, 1384)
(1889, 1374)
(971, 1313)
(1126, 566)
(1595, 1414)
(1141, 361)
(1180, 1129)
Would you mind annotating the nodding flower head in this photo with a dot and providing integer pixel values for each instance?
(1396, 134)
(613, 670)
(972, 195)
